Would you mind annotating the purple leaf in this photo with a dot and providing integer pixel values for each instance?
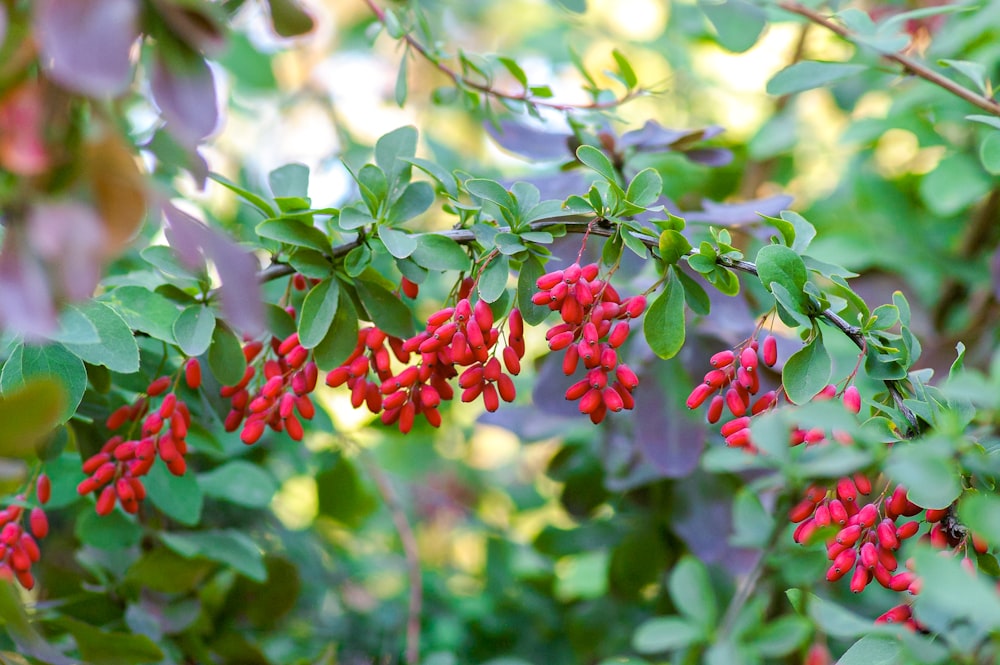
(655, 137)
(26, 306)
(242, 302)
(3, 23)
(735, 214)
(995, 273)
(85, 44)
(185, 93)
(710, 156)
(529, 142)
(669, 439)
(549, 393)
(703, 518)
(196, 243)
(70, 238)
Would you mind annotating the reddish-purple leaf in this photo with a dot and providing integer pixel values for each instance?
(3, 23)
(530, 142)
(85, 44)
(26, 306)
(670, 440)
(734, 214)
(185, 93)
(185, 235)
(70, 238)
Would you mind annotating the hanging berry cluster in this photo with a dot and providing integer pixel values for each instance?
(19, 546)
(289, 377)
(115, 472)
(595, 323)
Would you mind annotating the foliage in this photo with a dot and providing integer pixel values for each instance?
(624, 405)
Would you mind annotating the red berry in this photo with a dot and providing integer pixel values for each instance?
(252, 431)
(698, 396)
(158, 387)
(410, 289)
(861, 577)
(118, 417)
(722, 359)
(106, 501)
(192, 373)
(43, 489)
(898, 614)
(39, 523)
(770, 350)
(715, 408)
(852, 399)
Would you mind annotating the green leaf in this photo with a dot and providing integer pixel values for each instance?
(114, 531)
(989, 153)
(353, 217)
(781, 636)
(341, 494)
(515, 70)
(807, 371)
(248, 196)
(926, 468)
(598, 161)
(398, 243)
(836, 621)
(177, 497)
(531, 270)
(358, 260)
(645, 188)
(386, 310)
(691, 592)
(143, 310)
(340, 339)
(673, 246)
(663, 325)
(293, 231)
(415, 199)
(874, 650)
(108, 648)
(666, 634)
(310, 263)
(694, 294)
(625, 69)
(29, 412)
(974, 71)
(782, 265)
(318, 311)
(225, 356)
(808, 75)
(290, 180)
(439, 252)
(981, 514)
(239, 482)
(392, 151)
(289, 19)
(161, 569)
(951, 593)
(493, 279)
(35, 366)
(441, 175)
(491, 190)
(956, 183)
(401, 89)
(228, 546)
(738, 25)
(117, 349)
(193, 329)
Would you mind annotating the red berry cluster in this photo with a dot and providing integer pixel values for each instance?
(288, 378)
(116, 471)
(732, 384)
(868, 535)
(18, 546)
(455, 337)
(595, 324)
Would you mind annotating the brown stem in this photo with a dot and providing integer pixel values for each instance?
(465, 82)
(410, 551)
(909, 64)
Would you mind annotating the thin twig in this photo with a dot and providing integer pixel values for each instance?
(410, 551)
(465, 82)
(909, 64)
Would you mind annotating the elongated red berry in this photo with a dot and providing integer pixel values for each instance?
(43, 489)
(698, 396)
(715, 409)
(106, 501)
(886, 532)
(770, 350)
(852, 399)
(192, 373)
(590, 401)
(842, 564)
(861, 577)
(722, 359)
(898, 614)
(39, 522)
(158, 386)
(801, 511)
(252, 431)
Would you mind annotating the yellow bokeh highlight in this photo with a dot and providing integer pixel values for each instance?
(296, 503)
